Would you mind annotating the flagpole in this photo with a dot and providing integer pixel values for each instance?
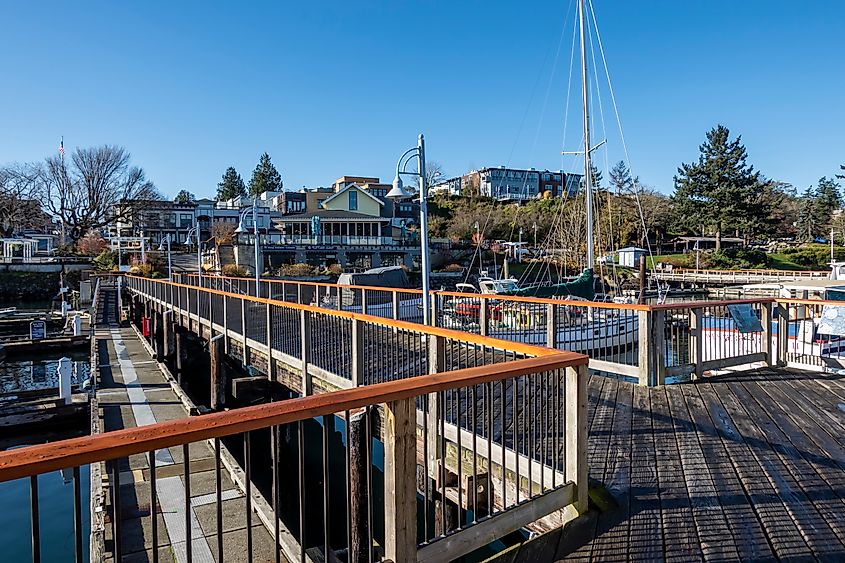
(63, 188)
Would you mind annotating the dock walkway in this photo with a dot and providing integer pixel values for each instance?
(134, 392)
(745, 467)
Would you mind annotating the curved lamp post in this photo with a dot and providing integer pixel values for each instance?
(195, 232)
(399, 193)
(242, 230)
(161, 248)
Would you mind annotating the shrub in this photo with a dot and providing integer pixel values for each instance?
(737, 259)
(234, 271)
(106, 261)
(296, 270)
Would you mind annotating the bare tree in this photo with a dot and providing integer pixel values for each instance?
(433, 173)
(19, 206)
(97, 187)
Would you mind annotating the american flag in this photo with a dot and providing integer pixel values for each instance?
(62, 147)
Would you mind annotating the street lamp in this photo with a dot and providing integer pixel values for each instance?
(242, 230)
(161, 248)
(399, 193)
(195, 232)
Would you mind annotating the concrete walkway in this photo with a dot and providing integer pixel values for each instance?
(134, 392)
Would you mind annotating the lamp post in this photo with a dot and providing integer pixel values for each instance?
(519, 248)
(399, 193)
(161, 248)
(195, 232)
(242, 229)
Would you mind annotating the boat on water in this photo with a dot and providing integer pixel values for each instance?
(584, 326)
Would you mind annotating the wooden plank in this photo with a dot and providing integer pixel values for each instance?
(710, 521)
(823, 511)
(486, 531)
(680, 538)
(748, 535)
(760, 473)
(611, 530)
(645, 530)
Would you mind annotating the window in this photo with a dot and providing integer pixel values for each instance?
(353, 200)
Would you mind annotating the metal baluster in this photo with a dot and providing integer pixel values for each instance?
(326, 486)
(218, 491)
(248, 478)
(34, 519)
(77, 514)
(153, 505)
(301, 456)
(187, 470)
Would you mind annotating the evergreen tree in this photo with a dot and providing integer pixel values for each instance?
(828, 198)
(265, 177)
(842, 168)
(621, 179)
(184, 196)
(596, 177)
(720, 190)
(231, 186)
(809, 222)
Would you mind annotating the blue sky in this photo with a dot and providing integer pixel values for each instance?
(333, 88)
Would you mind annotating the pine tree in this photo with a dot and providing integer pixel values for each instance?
(596, 176)
(720, 190)
(621, 179)
(231, 186)
(809, 223)
(265, 177)
(828, 198)
(184, 196)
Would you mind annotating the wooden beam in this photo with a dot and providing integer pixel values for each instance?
(400, 491)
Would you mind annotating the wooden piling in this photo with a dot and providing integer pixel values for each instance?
(358, 487)
(218, 375)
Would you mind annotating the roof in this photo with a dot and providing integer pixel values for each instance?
(330, 214)
(357, 187)
(632, 249)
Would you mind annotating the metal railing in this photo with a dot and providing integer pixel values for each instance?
(650, 344)
(441, 441)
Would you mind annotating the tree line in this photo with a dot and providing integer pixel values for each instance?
(717, 194)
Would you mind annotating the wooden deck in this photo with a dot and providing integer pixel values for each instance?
(746, 467)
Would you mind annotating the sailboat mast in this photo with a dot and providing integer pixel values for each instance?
(588, 177)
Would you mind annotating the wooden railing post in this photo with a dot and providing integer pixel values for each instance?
(645, 358)
(364, 301)
(357, 353)
(766, 321)
(576, 434)
(271, 367)
(783, 333)
(305, 351)
(436, 364)
(658, 343)
(400, 478)
(484, 316)
(435, 307)
(395, 307)
(697, 341)
(551, 325)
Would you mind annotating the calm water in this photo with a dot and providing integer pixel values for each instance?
(55, 493)
(55, 490)
(22, 373)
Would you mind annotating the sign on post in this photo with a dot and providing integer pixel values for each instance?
(37, 330)
(745, 318)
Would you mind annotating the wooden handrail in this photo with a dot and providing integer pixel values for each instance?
(516, 298)
(43, 458)
(469, 337)
(697, 304)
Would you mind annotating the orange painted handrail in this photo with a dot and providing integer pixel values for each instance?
(468, 337)
(43, 458)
